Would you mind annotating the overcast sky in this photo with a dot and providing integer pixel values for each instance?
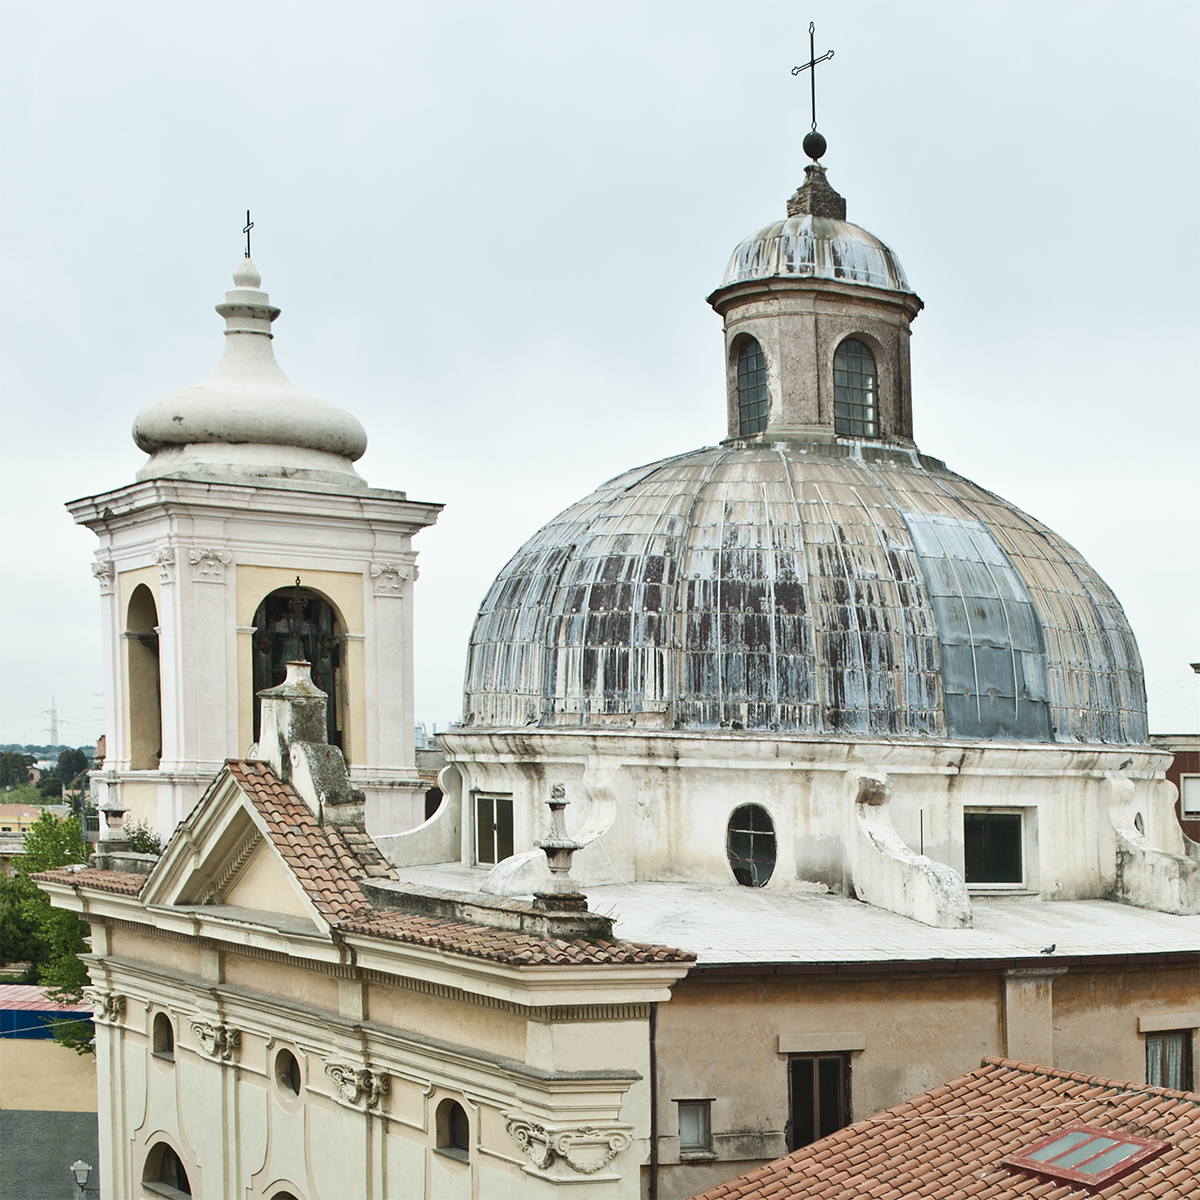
(491, 228)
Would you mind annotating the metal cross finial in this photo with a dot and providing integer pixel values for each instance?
(808, 66)
(250, 226)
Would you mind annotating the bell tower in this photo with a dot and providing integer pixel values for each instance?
(247, 540)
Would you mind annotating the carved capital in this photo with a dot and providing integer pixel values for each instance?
(105, 575)
(585, 1149)
(390, 577)
(218, 1041)
(107, 1007)
(358, 1086)
(209, 563)
(165, 558)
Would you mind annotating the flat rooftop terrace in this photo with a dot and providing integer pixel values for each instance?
(740, 926)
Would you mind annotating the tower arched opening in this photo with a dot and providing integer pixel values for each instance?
(298, 623)
(145, 681)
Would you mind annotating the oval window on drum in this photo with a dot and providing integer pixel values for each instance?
(750, 845)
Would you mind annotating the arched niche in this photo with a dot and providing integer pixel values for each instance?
(298, 623)
(145, 681)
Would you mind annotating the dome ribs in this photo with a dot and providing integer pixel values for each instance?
(782, 589)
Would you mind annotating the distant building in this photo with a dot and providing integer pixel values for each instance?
(47, 1096)
(1184, 774)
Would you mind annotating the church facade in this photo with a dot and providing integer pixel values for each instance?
(848, 754)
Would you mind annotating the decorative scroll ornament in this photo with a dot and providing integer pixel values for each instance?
(165, 558)
(208, 564)
(219, 1041)
(105, 575)
(584, 1148)
(390, 577)
(359, 1086)
(107, 1007)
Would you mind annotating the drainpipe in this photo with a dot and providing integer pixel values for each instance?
(653, 1194)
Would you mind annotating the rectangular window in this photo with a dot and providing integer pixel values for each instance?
(993, 848)
(695, 1126)
(493, 829)
(820, 1096)
(1169, 1060)
(1189, 795)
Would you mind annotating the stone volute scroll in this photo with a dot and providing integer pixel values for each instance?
(105, 575)
(209, 563)
(359, 1087)
(390, 577)
(107, 1007)
(218, 1041)
(580, 1149)
(165, 561)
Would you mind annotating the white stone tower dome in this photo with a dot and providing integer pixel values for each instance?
(247, 418)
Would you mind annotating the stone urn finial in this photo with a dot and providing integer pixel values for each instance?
(559, 850)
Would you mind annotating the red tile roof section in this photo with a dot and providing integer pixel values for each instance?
(501, 945)
(27, 997)
(124, 882)
(328, 872)
(948, 1142)
(329, 861)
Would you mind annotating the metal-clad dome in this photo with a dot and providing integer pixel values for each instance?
(808, 589)
(817, 247)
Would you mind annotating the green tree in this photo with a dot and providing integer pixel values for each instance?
(14, 768)
(70, 764)
(51, 843)
(19, 937)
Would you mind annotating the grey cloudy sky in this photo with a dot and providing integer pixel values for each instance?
(491, 228)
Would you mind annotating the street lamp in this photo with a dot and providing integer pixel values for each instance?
(83, 1173)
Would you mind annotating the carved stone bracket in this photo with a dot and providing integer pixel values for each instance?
(390, 577)
(107, 1007)
(105, 575)
(209, 563)
(359, 1086)
(586, 1149)
(165, 558)
(219, 1041)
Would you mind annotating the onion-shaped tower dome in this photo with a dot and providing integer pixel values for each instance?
(247, 418)
(814, 575)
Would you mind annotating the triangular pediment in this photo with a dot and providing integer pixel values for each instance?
(224, 856)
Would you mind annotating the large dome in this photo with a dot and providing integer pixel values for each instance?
(807, 588)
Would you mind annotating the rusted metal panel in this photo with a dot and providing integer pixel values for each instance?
(804, 590)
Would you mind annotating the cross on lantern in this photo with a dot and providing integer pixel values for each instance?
(250, 224)
(811, 65)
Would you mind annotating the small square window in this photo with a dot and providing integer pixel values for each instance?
(1169, 1059)
(1189, 795)
(695, 1126)
(994, 848)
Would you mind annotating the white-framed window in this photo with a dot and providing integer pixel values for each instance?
(695, 1126)
(1169, 1059)
(1189, 795)
(493, 828)
(994, 847)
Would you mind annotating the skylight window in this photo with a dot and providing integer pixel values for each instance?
(1084, 1154)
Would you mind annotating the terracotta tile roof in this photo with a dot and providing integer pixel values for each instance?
(501, 945)
(28, 997)
(124, 882)
(358, 852)
(948, 1142)
(326, 869)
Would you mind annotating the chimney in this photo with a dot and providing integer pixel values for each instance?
(292, 739)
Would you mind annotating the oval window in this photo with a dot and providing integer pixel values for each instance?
(287, 1072)
(751, 845)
